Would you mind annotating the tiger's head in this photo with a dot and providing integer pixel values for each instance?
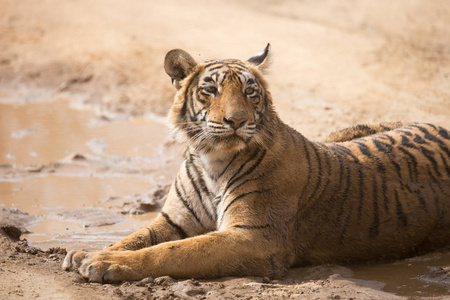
(221, 105)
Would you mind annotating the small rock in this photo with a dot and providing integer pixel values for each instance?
(164, 280)
(145, 281)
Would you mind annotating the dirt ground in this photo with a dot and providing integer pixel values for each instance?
(336, 63)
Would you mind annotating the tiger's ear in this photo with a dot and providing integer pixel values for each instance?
(262, 60)
(178, 65)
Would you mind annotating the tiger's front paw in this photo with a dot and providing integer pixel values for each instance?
(73, 259)
(107, 267)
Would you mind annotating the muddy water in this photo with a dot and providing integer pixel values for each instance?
(42, 133)
(86, 211)
(46, 132)
(55, 197)
(404, 277)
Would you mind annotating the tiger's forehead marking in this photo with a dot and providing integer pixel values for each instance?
(219, 72)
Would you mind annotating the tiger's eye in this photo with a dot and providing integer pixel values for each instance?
(210, 89)
(249, 90)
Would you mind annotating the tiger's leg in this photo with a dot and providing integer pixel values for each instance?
(179, 222)
(154, 233)
(231, 252)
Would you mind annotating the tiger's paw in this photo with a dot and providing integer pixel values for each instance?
(108, 267)
(73, 260)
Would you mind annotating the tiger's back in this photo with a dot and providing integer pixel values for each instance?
(390, 199)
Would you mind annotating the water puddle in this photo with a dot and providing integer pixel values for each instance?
(409, 277)
(46, 132)
(76, 210)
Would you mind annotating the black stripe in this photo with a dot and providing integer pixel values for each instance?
(212, 63)
(389, 137)
(186, 97)
(152, 236)
(429, 155)
(228, 165)
(344, 150)
(345, 189)
(433, 138)
(446, 166)
(266, 172)
(241, 167)
(317, 185)
(346, 225)
(238, 67)
(421, 128)
(315, 199)
(197, 191)
(305, 187)
(387, 149)
(235, 178)
(179, 230)
(191, 101)
(412, 165)
(217, 67)
(437, 182)
(199, 177)
(185, 202)
(444, 133)
(361, 192)
(202, 182)
(404, 131)
(418, 139)
(198, 113)
(386, 128)
(401, 217)
(382, 146)
(382, 174)
(198, 96)
(422, 201)
(365, 128)
(436, 200)
(444, 149)
(244, 195)
(365, 150)
(374, 228)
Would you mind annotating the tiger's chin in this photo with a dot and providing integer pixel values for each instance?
(227, 145)
(232, 144)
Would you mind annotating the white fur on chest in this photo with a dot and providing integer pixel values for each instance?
(213, 166)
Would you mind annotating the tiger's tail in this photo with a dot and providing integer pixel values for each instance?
(362, 130)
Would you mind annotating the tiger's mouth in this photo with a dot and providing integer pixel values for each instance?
(230, 135)
(228, 140)
(213, 137)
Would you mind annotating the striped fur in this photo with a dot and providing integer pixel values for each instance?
(255, 197)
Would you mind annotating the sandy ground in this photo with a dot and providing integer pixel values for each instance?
(337, 63)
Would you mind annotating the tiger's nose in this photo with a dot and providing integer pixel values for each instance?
(235, 123)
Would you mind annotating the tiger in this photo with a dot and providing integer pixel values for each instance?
(254, 197)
